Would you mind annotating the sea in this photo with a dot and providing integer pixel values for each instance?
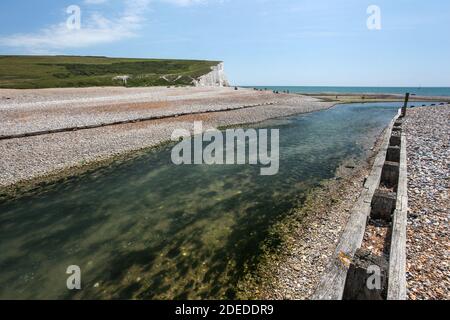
(420, 91)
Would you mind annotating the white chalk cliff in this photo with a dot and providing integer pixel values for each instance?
(216, 78)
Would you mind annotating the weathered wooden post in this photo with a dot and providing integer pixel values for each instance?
(405, 105)
(367, 277)
(389, 174)
(393, 154)
(383, 205)
(395, 139)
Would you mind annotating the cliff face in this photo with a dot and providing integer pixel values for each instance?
(216, 78)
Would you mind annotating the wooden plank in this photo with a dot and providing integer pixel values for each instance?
(397, 261)
(405, 105)
(332, 283)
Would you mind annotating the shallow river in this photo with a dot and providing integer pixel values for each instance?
(147, 229)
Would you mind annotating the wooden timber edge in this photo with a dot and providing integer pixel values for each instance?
(397, 256)
(332, 283)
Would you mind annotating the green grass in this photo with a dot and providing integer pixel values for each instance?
(30, 72)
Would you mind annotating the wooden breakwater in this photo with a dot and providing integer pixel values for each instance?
(353, 269)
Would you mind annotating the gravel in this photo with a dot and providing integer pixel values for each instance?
(32, 111)
(29, 158)
(428, 240)
(377, 238)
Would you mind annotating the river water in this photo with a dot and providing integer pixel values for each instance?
(147, 229)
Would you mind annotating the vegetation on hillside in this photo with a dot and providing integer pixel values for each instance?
(22, 72)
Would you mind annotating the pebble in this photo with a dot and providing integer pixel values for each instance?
(428, 240)
(34, 110)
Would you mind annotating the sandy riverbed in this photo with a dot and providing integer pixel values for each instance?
(38, 157)
(310, 237)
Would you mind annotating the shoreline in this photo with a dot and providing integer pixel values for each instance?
(312, 229)
(100, 141)
(317, 198)
(374, 98)
(25, 163)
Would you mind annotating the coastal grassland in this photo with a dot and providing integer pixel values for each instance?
(36, 72)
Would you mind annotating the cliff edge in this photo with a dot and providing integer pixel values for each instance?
(215, 78)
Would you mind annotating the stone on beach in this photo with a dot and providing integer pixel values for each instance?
(428, 243)
(34, 157)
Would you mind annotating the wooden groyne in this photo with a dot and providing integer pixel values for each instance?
(356, 273)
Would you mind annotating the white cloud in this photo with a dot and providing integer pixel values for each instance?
(185, 3)
(95, 29)
(95, 1)
(177, 2)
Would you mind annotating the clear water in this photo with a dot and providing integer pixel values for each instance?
(146, 229)
(427, 91)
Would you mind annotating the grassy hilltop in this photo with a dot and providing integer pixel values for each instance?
(28, 72)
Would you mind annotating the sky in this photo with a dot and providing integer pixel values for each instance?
(262, 42)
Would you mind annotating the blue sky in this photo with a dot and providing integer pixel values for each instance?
(263, 42)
